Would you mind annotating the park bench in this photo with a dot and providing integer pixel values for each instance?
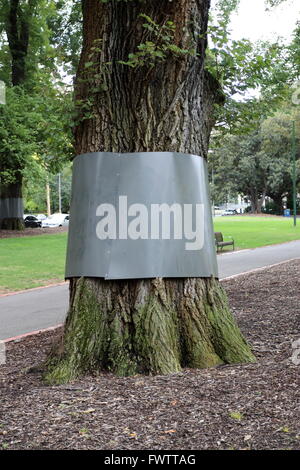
(220, 243)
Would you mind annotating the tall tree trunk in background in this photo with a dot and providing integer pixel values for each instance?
(278, 202)
(10, 193)
(145, 326)
(17, 30)
(257, 202)
(10, 196)
(261, 201)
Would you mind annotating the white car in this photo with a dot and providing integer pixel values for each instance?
(41, 216)
(230, 212)
(56, 220)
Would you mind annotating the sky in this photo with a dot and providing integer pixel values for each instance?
(253, 22)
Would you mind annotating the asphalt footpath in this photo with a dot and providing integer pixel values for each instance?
(38, 309)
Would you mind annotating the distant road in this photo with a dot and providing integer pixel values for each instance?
(38, 309)
(238, 262)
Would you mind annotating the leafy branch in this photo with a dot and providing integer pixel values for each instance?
(161, 46)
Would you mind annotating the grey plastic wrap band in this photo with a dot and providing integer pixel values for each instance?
(140, 215)
(11, 208)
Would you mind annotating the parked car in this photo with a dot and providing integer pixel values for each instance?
(38, 216)
(32, 221)
(41, 216)
(230, 212)
(217, 212)
(56, 220)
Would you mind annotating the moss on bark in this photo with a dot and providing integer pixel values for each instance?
(146, 327)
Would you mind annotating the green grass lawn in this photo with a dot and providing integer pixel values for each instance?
(252, 232)
(28, 262)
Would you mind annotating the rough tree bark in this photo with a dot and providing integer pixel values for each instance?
(145, 326)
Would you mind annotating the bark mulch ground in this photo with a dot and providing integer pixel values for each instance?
(29, 232)
(254, 406)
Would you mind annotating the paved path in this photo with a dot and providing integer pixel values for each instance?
(37, 309)
(33, 310)
(246, 260)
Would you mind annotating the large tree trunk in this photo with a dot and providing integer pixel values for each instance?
(145, 326)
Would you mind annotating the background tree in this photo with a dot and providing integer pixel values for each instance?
(65, 25)
(35, 179)
(277, 144)
(257, 164)
(33, 127)
(36, 118)
(253, 76)
(16, 18)
(141, 86)
(239, 168)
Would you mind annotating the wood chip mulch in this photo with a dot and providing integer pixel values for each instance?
(253, 406)
(30, 232)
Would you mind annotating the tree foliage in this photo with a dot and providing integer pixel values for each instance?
(255, 77)
(257, 164)
(35, 122)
